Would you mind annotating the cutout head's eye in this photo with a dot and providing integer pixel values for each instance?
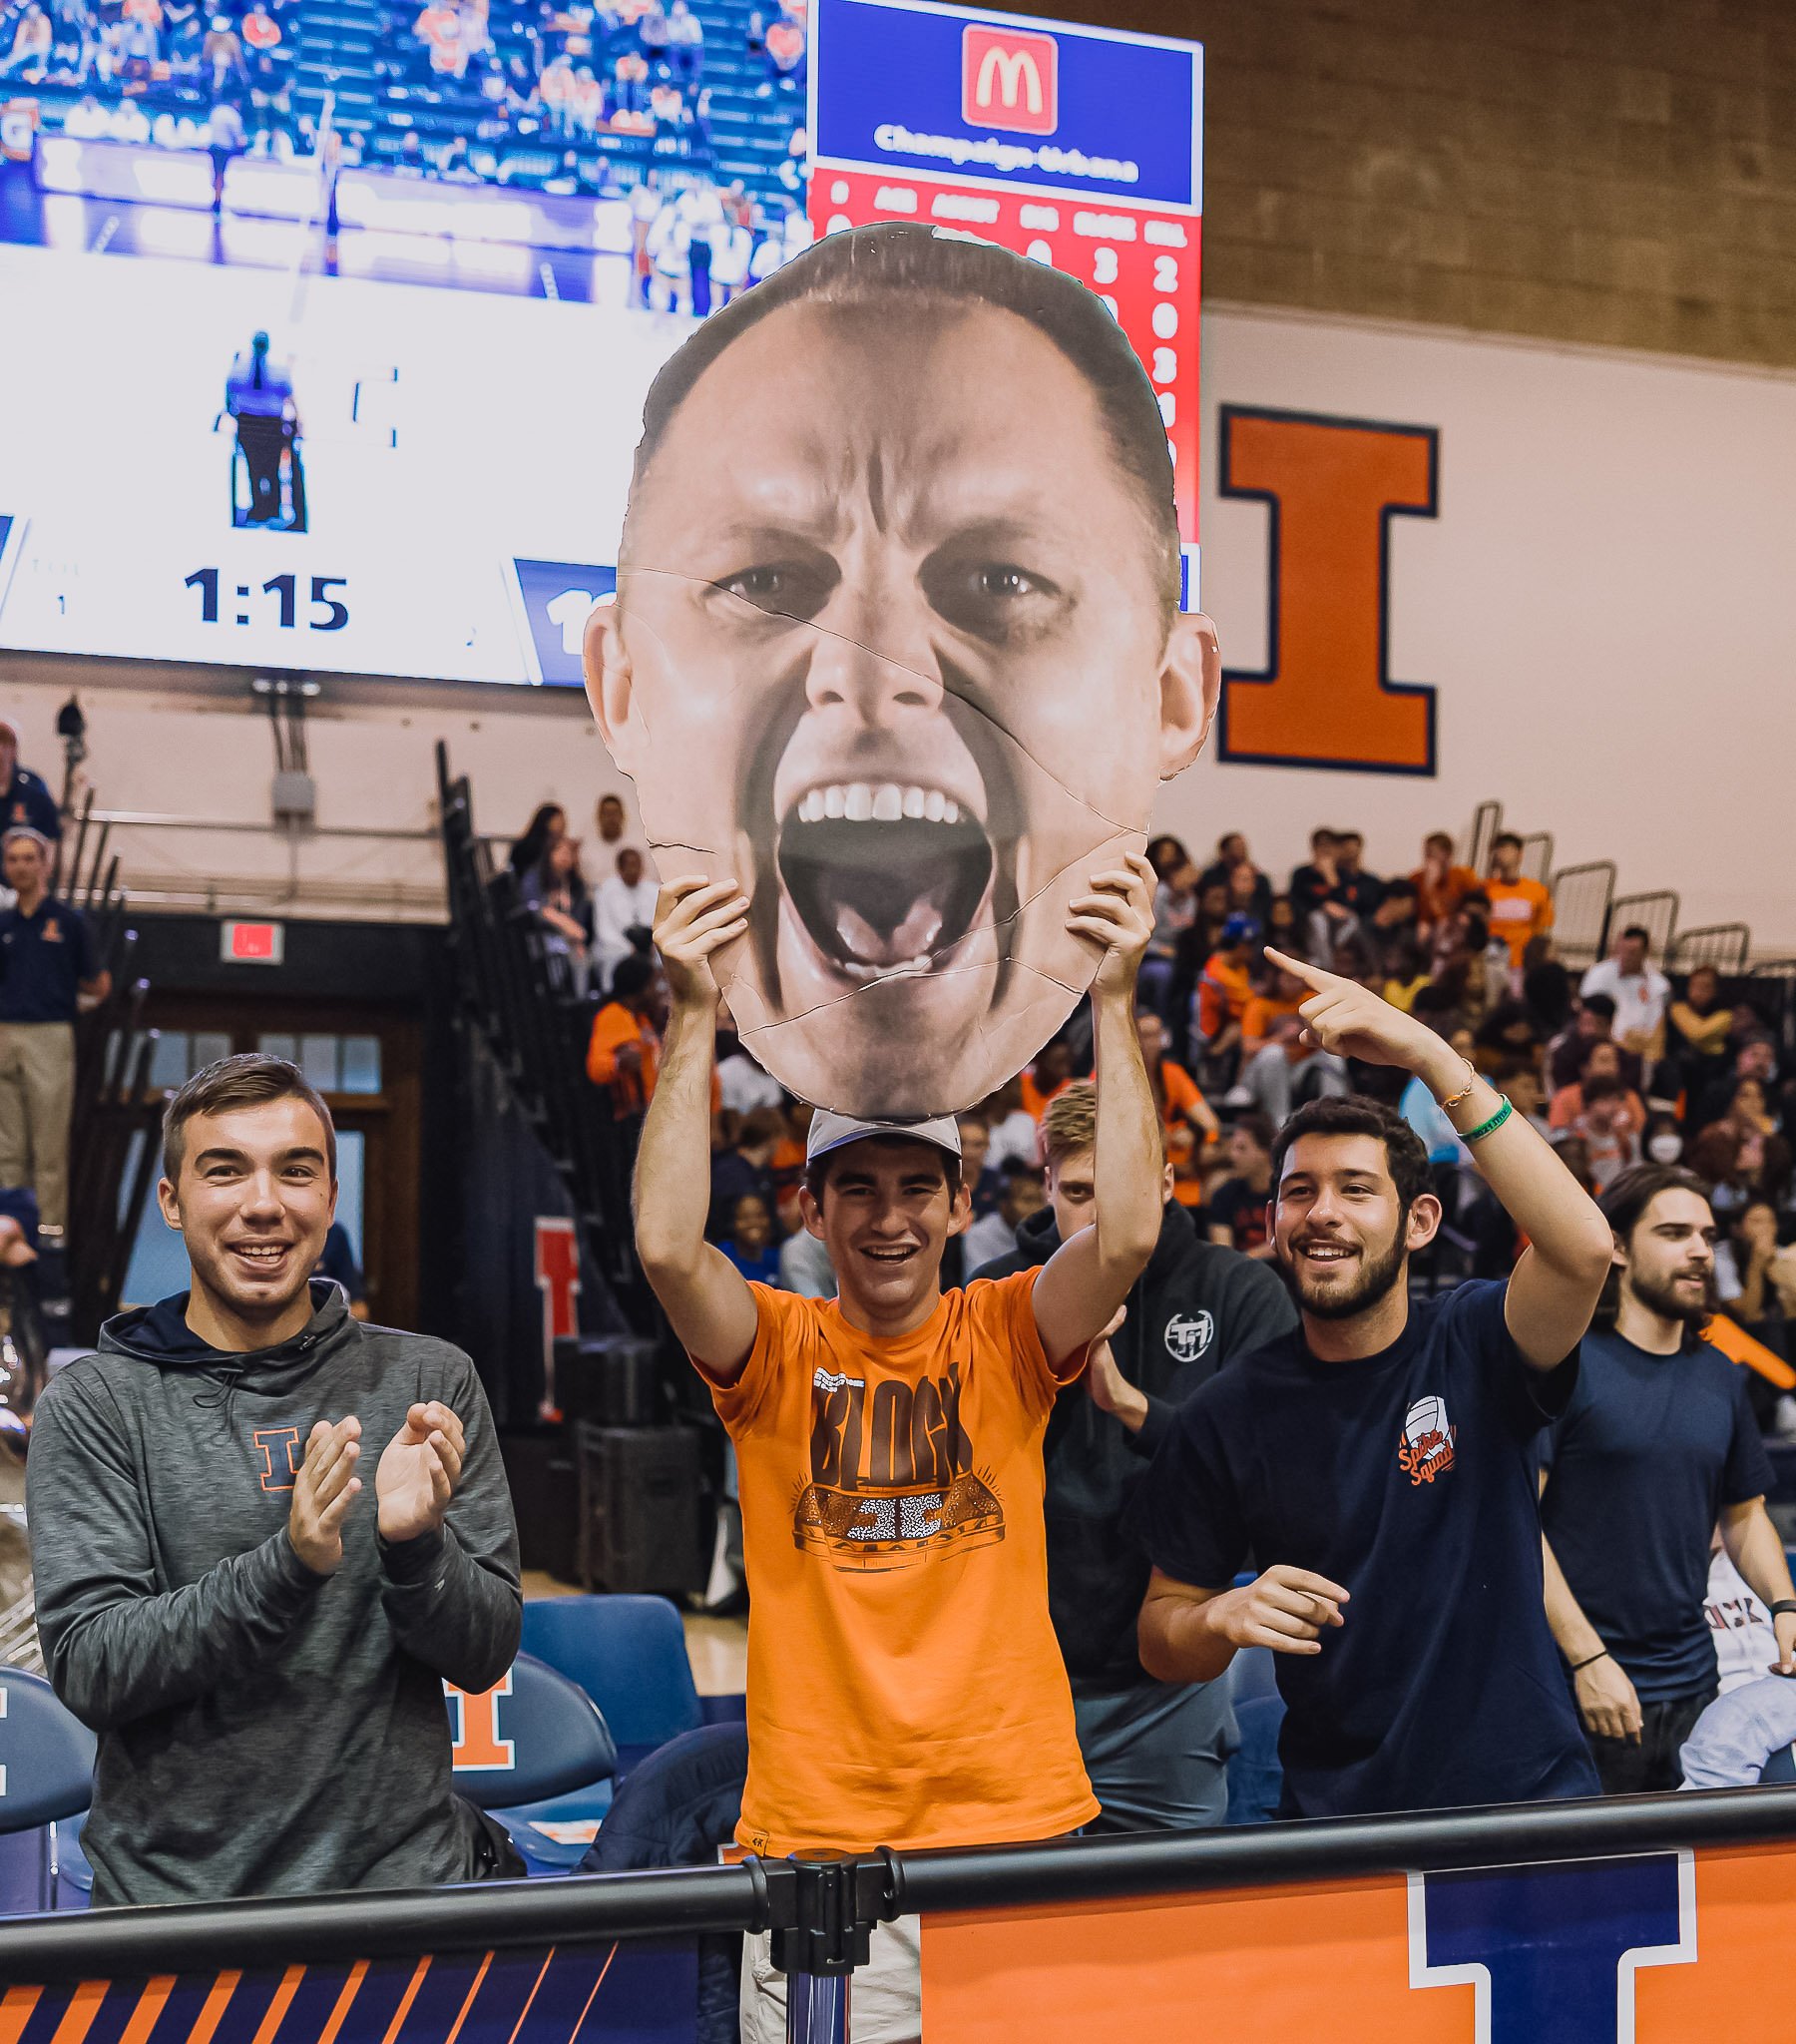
(990, 599)
(783, 588)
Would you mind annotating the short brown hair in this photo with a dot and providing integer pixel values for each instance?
(252, 1079)
(1071, 1123)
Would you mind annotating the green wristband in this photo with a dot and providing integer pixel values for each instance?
(1486, 1128)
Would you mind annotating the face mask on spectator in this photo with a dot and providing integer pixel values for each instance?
(1665, 1149)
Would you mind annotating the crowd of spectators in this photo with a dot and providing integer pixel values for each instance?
(179, 74)
(535, 77)
(521, 93)
(1615, 1065)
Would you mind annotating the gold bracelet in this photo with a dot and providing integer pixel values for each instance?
(1465, 1093)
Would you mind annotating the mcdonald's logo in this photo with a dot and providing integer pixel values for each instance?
(1010, 78)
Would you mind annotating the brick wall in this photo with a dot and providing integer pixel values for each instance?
(1578, 170)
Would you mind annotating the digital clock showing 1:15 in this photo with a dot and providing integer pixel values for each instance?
(328, 613)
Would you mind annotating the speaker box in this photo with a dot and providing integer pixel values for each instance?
(609, 1379)
(641, 1505)
(544, 1488)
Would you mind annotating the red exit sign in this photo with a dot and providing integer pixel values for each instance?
(253, 943)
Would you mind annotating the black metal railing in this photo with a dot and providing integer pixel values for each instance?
(112, 1151)
(787, 1897)
(517, 996)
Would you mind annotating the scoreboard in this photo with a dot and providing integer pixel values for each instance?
(1079, 147)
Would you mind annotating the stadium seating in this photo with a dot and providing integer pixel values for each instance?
(550, 1781)
(45, 1770)
(629, 1655)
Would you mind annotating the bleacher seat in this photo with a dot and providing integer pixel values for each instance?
(46, 1769)
(629, 1654)
(542, 1760)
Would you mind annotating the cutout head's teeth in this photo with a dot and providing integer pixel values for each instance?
(884, 877)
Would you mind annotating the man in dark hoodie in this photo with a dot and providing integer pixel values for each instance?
(1156, 1755)
(261, 1650)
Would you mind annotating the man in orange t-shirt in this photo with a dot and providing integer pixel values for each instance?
(905, 1687)
(1439, 884)
(1520, 910)
(623, 1051)
(1226, 986)
(1188, 1118)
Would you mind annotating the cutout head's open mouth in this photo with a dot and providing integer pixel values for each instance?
(885, 879)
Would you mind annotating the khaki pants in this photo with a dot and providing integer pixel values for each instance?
(887, 1999)
(37, 1094)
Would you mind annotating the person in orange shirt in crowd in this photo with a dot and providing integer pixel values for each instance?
(1046, 1080)
(905, 1684)
(440, 27)
(623, 1051)
(1265, 1011)
(260, 31)
(1187, 1117)
(1601, 1061)
(1520, 910)
(1226, 987)
(1439, 884)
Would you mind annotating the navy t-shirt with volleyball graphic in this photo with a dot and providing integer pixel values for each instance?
(1408, 1477)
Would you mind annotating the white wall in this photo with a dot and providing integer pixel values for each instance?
(1601, 604)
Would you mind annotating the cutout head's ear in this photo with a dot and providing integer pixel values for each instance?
(609, 686)
(1190, 686)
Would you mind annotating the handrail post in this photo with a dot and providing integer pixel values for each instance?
(817, 1953)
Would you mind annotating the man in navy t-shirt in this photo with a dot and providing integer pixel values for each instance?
(1656, 1447)
(1378, 1464)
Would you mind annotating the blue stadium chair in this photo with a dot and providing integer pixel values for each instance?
(537, 1753)
(629, 1656)
(46, 1768)
(1780, 1769)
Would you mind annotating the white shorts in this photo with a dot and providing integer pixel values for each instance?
(887, 1998)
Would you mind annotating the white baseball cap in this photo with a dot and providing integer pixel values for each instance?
(836, 1131)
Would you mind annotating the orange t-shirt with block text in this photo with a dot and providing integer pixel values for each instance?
(1520, 910)
(905, 1687)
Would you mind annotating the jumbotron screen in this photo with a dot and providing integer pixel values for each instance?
(333, 358)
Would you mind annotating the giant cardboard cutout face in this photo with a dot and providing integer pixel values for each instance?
(895, 643)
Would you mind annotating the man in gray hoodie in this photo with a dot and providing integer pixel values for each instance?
(262, 1650)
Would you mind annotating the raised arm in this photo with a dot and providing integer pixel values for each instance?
(704, 1295)
(1088, 1278)
(1559, 1281)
